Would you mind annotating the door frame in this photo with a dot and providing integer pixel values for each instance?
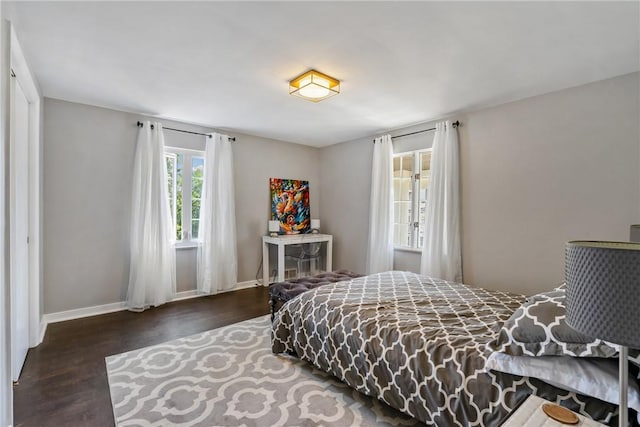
(29, 86)
(6, 392)
(12, 57)
(19, 212)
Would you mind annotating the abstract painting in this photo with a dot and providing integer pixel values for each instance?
(290, 205)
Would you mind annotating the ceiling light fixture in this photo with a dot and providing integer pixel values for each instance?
(314, 86)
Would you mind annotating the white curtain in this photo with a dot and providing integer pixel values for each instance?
(441, 251)
(152, 274)
(217, 252)
(380, 250)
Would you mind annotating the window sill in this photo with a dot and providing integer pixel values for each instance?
(406, 249)
(186, 245)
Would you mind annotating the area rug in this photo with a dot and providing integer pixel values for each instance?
(230, 377)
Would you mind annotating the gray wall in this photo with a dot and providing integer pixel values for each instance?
(543, 171)
(345, 176)
(535, 173)
(88, 160)
(257, 160)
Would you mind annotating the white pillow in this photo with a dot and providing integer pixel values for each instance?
(588, 376)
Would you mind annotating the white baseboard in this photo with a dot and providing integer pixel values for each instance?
(186, 295)
(43, 329)
(79, 313)
(244, 285)
(194, 293)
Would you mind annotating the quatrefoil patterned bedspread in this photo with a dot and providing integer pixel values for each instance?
(417, 344)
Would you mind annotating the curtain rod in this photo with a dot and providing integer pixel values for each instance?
(232, 139)
(454, 124)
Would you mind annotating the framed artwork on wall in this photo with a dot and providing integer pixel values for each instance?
(290, 205)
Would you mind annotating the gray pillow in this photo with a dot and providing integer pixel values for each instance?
(538, 328)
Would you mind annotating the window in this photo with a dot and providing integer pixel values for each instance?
(185, 170)
(411, 174)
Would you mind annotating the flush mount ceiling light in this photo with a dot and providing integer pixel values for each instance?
(314, 86)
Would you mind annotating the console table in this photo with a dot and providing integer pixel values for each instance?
(282, 241)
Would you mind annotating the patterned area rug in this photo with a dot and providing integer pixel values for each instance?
(230, 377)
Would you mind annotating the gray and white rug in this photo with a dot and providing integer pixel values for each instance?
(230, 377)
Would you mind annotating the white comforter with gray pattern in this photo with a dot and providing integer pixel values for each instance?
(416, 343)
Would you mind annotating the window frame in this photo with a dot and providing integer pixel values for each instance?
(187, 185)
(414, 220)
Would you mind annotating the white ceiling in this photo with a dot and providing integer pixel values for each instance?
(227, 64)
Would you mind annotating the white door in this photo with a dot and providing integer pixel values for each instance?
(19, 226)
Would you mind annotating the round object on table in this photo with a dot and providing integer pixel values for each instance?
(560, 414)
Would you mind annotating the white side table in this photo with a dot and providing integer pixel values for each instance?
(294, 239)
(530, 414)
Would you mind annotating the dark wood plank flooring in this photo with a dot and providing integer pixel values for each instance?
(64, 379)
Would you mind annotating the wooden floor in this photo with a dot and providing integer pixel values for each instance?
(64, 379)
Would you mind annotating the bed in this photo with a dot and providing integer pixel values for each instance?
(418, 344)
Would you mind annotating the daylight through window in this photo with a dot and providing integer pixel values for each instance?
(411, 174)
(185, 169)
